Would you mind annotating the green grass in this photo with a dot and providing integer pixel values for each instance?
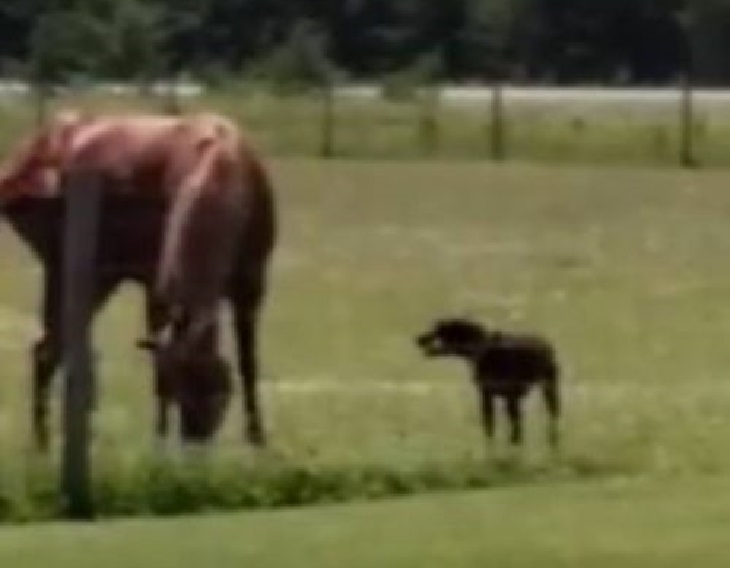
(630, 524)
(625, 269)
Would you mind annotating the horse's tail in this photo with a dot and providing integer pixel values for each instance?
(40, 157)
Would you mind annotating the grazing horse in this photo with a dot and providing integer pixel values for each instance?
(187, 212)
(504, 365)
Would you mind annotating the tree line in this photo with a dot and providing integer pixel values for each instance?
(611, 42)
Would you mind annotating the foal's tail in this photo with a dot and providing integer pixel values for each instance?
(551, 396)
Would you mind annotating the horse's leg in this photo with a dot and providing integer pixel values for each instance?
(156, 317)
(47, 351)
(514, 412)
(46, 356)
(245, 302)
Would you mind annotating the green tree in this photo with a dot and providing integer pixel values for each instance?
(121, 39)
(135, 41)
(300, 61)
(62, 45)
(708, 22)
(545, 40)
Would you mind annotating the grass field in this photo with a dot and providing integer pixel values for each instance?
(644, 524)
(623, 268)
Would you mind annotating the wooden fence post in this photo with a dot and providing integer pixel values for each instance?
(686, 124)
(170, 98)
(40, 101)
(428, 123)
(496, 123)
(327, 148)
(79, 282)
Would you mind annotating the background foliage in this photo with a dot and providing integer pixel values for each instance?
(547, 41)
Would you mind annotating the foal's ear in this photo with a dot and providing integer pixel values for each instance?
(148, 344)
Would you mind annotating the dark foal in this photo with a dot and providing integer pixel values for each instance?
(504, 366)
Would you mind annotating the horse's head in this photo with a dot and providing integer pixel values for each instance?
(200, 381)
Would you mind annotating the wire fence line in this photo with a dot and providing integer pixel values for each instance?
(666, 126)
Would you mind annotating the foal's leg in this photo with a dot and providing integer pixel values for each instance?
(486, 400)
(552, 404)
(514, 412)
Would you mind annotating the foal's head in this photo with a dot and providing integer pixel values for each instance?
(453, 336)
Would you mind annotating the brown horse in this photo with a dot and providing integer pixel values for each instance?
(187, 212)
